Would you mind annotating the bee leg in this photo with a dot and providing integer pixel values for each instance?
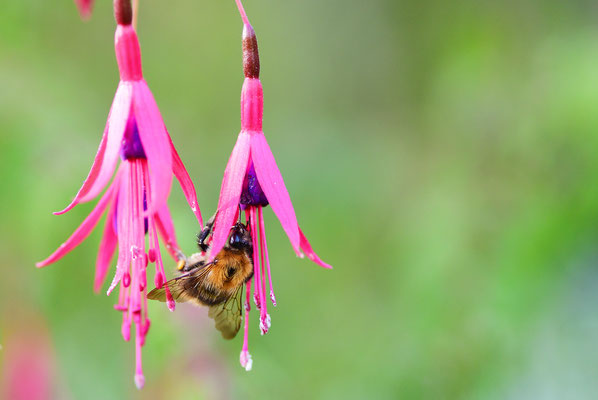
(205, 232)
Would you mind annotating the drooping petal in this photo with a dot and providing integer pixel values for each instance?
(311, 254)
(107, 155)
(156, 143)
(186, 183)
(270, 179)
(166, 230)
(230, 193)
(107, 245)
(82, 231)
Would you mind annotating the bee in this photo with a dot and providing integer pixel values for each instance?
(217, 284)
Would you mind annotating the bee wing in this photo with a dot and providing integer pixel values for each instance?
(227, 315)
(176, 288)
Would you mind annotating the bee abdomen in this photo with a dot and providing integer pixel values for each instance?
(211, 297)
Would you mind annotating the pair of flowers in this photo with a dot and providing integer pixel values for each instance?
(136, 199)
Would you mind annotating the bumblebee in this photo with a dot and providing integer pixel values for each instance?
(217, 284)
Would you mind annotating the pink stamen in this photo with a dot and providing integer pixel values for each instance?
(248, 286)
(265, 255)
(264, 317)
(256, 260)
(126, 327)
(160, 279)
(126, 279)
(123, 227)
(245, 357)
(151, 255)
(137, 237)
(139, 378)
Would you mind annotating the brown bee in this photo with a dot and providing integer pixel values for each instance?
(218, 284)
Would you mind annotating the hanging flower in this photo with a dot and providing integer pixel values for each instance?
(136, 198)
(252, 181)
(85, 7)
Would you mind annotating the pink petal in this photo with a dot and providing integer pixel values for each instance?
(272, 184)
(166, 230)
(108, 152)
(156, 144)
(106, 251)
(186, 183)
(311, 254)
(230, 193)
(82, 231)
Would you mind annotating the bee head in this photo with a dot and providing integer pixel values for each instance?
(239, 238)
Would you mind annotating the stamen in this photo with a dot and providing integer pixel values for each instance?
(256, 259)
(126, 281)
(151, 254)
(159, 279)
(123, 206)
(265, 255)
(245, 357)
(264, 316)
(125, 328)
(139, 378)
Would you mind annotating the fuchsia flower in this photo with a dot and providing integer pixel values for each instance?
(136, 199)
(85, 7)
(252, 181)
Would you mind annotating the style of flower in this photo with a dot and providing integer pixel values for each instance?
(251, 181)
(85, 7)
(136, 199)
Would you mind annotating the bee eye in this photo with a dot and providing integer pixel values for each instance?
(235, 240)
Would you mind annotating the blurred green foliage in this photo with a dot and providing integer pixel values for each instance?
(443, 156)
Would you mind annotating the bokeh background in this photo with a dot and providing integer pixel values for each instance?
(443, 156)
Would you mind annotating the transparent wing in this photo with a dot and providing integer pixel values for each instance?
(176, 287)
(227, 315)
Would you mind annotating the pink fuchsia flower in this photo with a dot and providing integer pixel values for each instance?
(136, 199)
(251, 181)
(85, 7)
(29, 367)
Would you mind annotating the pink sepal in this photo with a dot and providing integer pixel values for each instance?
(272, 184)
(166, 230)
(128, 53)
(107, 246)
(252, 105)
(179, 170)
(310, 253)
(82, 231)
(230, 193)
(156, 144)
(108, 152)
(84, 7)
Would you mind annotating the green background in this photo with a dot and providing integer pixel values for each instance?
(442, 156)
